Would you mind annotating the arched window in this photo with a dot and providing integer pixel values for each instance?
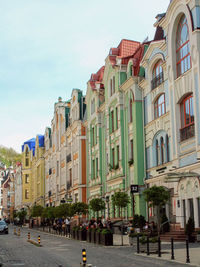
(131, 110)
(167, 148)
(157, 153)
(183, 59)
(26, 152)
(162, 150)
(159, 106)
(187, 118)
(157, 75)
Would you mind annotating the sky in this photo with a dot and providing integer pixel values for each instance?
(49, 47)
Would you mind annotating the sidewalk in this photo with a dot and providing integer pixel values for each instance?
(179, 253)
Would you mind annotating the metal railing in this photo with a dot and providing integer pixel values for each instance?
(157, 81)
(187, 132)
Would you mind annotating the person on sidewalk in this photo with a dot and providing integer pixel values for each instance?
(67, 223)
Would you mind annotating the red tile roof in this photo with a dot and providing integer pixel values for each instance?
(97, 78)
(124, 49)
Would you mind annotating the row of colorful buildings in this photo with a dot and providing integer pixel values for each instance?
(138, 124)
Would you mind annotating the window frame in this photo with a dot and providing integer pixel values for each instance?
(156, 106)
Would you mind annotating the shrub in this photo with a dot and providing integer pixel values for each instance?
(106, 231)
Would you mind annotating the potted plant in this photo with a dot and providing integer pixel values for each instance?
(189, 229)
(198, 236)
(82, 233)
(153, 244)
(89, 234)
(106, 237)
(98, 236)
(93, 235)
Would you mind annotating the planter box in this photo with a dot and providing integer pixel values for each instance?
(88, 236)
(72, 233)
(82, 235)
(198, 237)
(93, 237)
(77, 234)
(106, 239)
(98, 238)
(153, 247)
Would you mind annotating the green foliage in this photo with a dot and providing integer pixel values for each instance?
(21, 214)
(189, 228)
(156, 196)
(106, 231)
(139, 221)
(48, 213)
(36, 211)
(120, 199)
(143, 240)
(97, 204)
(9, 156)
(80, 208)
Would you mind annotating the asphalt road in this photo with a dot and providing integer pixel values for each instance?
(60, 251)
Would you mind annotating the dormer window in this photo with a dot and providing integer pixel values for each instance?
(112, 85)
(157, 75)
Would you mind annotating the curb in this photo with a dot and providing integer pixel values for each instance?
(167, 260)
(34, 243)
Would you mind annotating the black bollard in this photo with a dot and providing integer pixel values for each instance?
(172, 249)
(148, 246)
(138, 244)
(187, 251)
(159, 247)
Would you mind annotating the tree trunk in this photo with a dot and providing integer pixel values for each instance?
(158, 220)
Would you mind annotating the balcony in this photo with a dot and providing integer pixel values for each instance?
(157, 81)
(187, 132)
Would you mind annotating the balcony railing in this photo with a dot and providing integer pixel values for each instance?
(187, 132)
(157, 81)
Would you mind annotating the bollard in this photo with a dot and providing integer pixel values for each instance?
(18, 232)
(84, 258)
(159, 247)
(29, 236)
(172, 249)
(138, 244)
(39, 239)
(187, 251)
(148, 246)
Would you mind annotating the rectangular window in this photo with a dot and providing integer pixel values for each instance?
(26, 178)
(95, 134)
(57, 168)
(111, 87)
(93, 141)
(70, 177)
(113, 84)
(96, 167)
(131, 143)
(112, 121)
(93, 169)
(116, 110)
(27, 162)
(26, 194)
(113, 157)
(118, 156)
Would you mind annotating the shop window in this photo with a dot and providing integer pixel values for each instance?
(183, 58)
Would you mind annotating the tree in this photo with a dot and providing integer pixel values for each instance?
(139, 221)
(36, 211)
(121, 200)
(22, 215)
(97, 204)
(156, 196)
(80, 208)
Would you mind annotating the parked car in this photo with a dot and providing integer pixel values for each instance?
(3, 227)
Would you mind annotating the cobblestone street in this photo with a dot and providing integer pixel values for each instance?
(60, 251)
